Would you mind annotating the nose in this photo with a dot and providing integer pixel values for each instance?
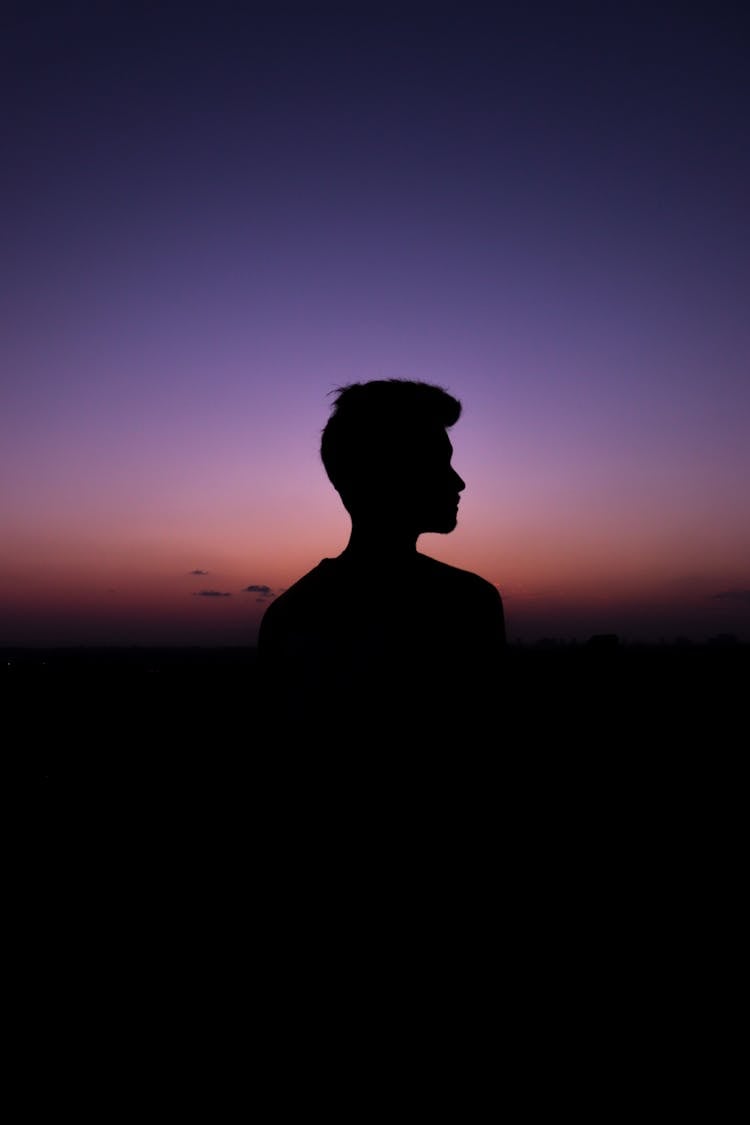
(460, 484)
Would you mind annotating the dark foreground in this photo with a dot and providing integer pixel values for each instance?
(548, 902)
(102, 718)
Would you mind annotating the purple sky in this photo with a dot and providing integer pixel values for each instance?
(214, 214)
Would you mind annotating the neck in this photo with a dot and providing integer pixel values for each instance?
(373, 543)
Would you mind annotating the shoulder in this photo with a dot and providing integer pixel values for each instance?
(465, 582)
(472, 605)
(309, 583)
(301, 597)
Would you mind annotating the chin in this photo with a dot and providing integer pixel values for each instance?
(442, 526)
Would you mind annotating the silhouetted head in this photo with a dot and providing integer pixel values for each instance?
(387, 453)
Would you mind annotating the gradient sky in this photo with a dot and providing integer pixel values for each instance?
(214, 214)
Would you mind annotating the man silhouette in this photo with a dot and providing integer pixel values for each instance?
(383, 636)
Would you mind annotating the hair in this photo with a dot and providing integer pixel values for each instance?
(371, 420)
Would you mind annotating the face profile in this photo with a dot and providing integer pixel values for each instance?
(386, 450)
(385, 627)
(429, 487)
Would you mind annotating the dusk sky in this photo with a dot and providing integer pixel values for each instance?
(213, 215)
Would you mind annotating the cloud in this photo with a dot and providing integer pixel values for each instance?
(199, 572)
(265, 592)
(734, 595)
(211, 594)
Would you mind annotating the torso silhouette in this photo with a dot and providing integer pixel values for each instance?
(418, 643)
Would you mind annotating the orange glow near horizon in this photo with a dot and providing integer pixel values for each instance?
(133, 586)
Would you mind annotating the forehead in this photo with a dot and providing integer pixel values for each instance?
(426, 444)
(435, 442)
